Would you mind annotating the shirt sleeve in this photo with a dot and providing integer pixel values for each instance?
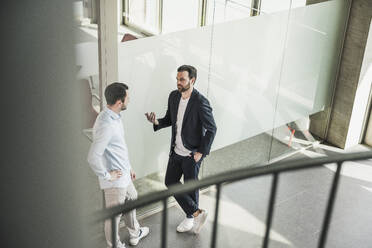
(101, 138)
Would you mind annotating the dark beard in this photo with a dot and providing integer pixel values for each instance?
(183, 89)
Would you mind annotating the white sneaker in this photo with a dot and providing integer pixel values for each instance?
(186, 225)
(200, 220)
(144, 231)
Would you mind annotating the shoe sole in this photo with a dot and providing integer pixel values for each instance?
(134, 244)
(184, 231)
(197, 230)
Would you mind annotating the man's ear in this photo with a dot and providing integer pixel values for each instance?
(118, 102)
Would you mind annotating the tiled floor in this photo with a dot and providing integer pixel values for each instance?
(243, 154)
(298, 214)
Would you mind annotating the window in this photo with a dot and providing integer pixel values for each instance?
(180, 15)
(226, 10)
(153, 17)
(143, 15)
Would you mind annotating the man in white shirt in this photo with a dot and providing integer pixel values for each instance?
(193, 130)
(108, 158)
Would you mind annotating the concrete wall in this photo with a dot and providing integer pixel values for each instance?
(349, 74)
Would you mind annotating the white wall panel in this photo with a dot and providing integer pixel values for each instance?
(311, 59)
(149, 67)
(296, 50)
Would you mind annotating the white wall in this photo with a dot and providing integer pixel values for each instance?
(250, 58)
(149, 67)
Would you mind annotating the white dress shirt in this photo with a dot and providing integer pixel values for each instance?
(109, 151)
(180, 149)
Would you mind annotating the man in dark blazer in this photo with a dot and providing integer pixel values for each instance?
(193, 131)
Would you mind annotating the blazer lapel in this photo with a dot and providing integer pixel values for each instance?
(175, 105)
(189, 105)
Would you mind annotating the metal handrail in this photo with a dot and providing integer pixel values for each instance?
(236, 175)
(233, 175)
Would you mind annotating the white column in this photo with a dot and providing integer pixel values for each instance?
(107, 44)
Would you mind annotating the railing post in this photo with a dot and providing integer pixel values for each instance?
(215, 223)
(270, 211)
(331, 200)
(255, 7)
(113, 232)
(164, 224)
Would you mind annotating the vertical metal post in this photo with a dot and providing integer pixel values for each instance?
(215, 223)
(331, 200)
(160, 13)
(270, 211)
(164, 224)
(113, 232)
(125, 12)
(202, 12)
(255, 7)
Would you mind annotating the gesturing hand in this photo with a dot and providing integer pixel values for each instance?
(152, 118)
(115, 174)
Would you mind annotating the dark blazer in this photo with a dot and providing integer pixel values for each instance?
(198, 127)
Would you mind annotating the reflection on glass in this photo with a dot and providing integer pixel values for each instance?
(308, 72)
(245, 72)
(86, 50)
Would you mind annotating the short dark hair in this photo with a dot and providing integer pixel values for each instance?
(114, 92)
(190, 69)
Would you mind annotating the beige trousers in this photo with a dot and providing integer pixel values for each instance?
(116, 196)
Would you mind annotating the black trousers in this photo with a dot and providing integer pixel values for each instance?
(186, 166)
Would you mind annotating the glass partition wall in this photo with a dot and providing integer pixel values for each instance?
(87, 61)
(265, 67)
(308, 72)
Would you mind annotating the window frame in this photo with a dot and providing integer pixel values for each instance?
(202, 15)
(126, 22)
(202, 10)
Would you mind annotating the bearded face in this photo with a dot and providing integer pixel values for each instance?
(183, 81)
